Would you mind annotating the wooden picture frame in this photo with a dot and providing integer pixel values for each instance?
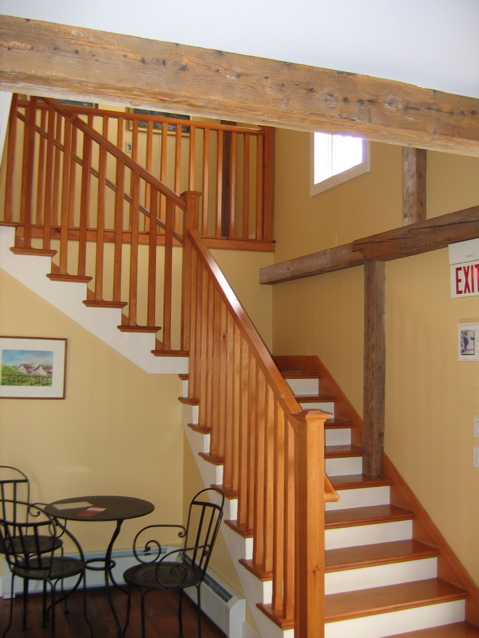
(157, 126)
(32, 368)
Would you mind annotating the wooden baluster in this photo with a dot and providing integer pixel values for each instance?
(219, 373)
(163, 166)
(65, 197)
(205, 182)
(27, 175)
(152, 268)
(168, 276)
(259, 186)
(193, 348)
(268, 493)
(259, 473)
(10, 177)
(241, 465)
(49, 175)
(40, 198)
(250, 496)
(133, 280)
(289, 556)
(177, 172)
(73, 174)
(57, 181)
(100, 223)
(246, 185)
(191, 159)
(219, 184)
(232, 186)
(229, 392)
(279, 500)
(84, 200)
(148, 166)
(210, 361)
(119, 199)
(265, 214)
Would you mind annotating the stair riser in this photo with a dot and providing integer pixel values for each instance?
(380, 575)
(308, 387)
(344, 466)
(325, 406)
(390, 624)
(363, 497)
(367, 534)
(337, 436)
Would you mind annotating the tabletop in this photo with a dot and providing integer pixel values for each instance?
(99, 508)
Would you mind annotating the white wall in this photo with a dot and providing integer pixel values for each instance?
(430, 43)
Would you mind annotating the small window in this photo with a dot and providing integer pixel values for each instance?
(336, 159)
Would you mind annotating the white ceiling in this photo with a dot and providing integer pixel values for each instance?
(430, 43)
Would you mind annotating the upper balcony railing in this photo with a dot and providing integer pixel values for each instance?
(232, 166)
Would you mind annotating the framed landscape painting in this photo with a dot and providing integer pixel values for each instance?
(32, 368)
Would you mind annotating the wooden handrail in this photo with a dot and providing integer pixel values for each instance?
(272, 452)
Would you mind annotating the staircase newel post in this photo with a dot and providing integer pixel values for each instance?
(309, 524)
(190, 223)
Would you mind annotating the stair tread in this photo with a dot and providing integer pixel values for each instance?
(332, 451)
(313, 398)
(455, 630)
(368, 515)
(378, 554)
(337, 422)
(352, 481)
(354, 604)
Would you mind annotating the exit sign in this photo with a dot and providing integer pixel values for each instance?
(464, 267)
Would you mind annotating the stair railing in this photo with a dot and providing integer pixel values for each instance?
(86, 203)
(272, 452)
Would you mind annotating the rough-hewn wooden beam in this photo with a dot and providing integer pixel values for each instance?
(58, 60)
(432, 234)
(414, 185)
(374, 367)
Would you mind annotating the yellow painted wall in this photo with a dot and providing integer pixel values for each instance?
(117, 431)
(431, 398)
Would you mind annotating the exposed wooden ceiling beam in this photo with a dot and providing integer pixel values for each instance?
(59, 61)
(432, 234)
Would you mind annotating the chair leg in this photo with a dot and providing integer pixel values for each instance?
(128, 608)
(25, 599)
(142, 610)
(84, 607)
(180, 613)
(198, 589)
(12, 596)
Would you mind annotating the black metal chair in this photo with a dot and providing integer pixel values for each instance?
(178, 568)
(29, 541)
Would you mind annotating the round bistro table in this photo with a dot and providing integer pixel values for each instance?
(101, 509)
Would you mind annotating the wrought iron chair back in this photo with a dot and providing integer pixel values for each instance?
(31, 546)
(161, 568)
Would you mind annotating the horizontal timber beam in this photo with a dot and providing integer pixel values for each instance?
(56, 60)
(413, 239)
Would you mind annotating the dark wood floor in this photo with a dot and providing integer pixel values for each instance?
(161, 613)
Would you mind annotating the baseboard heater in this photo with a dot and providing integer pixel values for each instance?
(223, 606)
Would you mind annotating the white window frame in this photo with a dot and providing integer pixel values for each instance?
(340, 178)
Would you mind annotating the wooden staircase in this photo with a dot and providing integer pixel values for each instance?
(379, 579)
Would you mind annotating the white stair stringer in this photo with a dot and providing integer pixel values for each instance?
(256, 591)
(32, 270)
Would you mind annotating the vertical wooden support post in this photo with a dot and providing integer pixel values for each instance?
(190, 222)
(309, 524)
(414, 185)
(374, 367)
